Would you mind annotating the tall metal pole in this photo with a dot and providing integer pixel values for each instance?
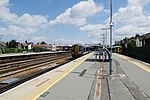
(106, 36)
(111, 25)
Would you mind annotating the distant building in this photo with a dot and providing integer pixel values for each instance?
(146, 39)
(2, 45)
(18, 45)
(24, 45)
(44, 46)
(54, 48)
(143, 40)
(139, 41)
(117, 42)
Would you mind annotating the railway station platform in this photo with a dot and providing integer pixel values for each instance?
(27, 54)
(87, 79)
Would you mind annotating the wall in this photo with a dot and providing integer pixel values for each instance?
(141, 53)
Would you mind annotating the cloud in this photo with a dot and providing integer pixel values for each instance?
(5, 14)
(27, 20)
(25, 24)
(132, 19)
(64, 41)
(67, 42)
(28, 24)
(138, 2)
(78, 13)
(37, 39)
(93, 30)
(16, 30)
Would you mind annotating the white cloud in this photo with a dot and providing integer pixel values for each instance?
(78, 13)
(64, 41)
(67, 42)
(25, 24)
(93, 30)
(5, 14)
(37, 39)
(132, 19)
(32, 21)
(138, 2)
(16, 30)
(94, 42)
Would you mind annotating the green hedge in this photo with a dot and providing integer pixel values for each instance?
(16, 50)
(13, 50)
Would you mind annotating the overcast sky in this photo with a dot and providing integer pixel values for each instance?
(71, 21)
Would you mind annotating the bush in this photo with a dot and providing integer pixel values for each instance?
(17, 50)
(13, 50)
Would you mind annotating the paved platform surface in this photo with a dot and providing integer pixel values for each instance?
(87, 79)
(129, 81)
(27, 53)
(34, 88)
(77, 85)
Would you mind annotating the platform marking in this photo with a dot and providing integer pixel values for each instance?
(135, 63)
(83, 72)
(37, 92)
(98, 85)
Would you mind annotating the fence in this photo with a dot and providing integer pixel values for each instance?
(141, 53)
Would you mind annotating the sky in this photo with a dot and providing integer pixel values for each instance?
(71, 21)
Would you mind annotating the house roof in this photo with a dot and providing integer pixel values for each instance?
(42, 46)
(140, 38)
(2, 44)
(146, 36)
(24, 44)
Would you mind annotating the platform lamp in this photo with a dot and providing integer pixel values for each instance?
(106, 33)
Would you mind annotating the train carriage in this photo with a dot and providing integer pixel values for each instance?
(117, 49)
(77, 50)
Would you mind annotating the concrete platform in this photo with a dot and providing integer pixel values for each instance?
(34, 88)
(88, 79)
(27, 53)
(129, 81)
(77, 85)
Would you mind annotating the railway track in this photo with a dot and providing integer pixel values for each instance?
(24, 64)
(29, 68)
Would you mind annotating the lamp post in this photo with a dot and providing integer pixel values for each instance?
(106, 34)
(111, 25)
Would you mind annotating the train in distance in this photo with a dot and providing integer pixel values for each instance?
(79, 50)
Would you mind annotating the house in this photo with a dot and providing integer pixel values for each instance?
(123, 43)
(146, 39)
(54, 48)
(18, 45)
(44, 46)
(24, 45)
(2, 45)
(64, 48)
(139, 41)
(117, 42)
(143, 40)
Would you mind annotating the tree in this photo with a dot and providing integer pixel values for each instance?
(137, 35)
(26, 41)
(11, 44)
(43, 42)
(131, 43)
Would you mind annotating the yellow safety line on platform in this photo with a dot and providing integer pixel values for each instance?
(135, 63)
(34, 94)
